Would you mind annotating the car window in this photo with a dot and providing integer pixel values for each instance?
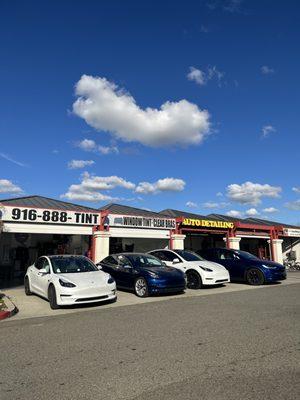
(123, 260)
(189, 255)
(165, 255)
(145, 260)
(39, 264)
(72, 264)
(46, 265)
(110, 260)
(225, 255)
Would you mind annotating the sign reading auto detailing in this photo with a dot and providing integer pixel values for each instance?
(292, 232)
(205, 223)
(48, 216)
(141, 222)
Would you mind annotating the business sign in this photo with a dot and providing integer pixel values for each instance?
(292, 232)
(127, 221)
(48, 216)
(205, 223)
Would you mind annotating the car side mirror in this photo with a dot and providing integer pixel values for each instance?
(127, 266)
(43, 271)
(99, 267)
(176, 261)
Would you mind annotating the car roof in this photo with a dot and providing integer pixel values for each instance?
(64, 256)
(130, 254)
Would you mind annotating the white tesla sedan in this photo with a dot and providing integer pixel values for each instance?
(67, 280)
(199, 272)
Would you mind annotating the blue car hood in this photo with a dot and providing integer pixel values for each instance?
(168, 272)
(273, 264)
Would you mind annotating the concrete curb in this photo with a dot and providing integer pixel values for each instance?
(11, 310)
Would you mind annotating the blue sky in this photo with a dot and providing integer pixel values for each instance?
(192, 105)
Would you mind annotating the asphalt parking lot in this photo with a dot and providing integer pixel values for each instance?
(34, 306)
(240, 344)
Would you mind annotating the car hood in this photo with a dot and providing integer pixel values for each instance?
(268, 263)
(207, 264)
(84, 279)
(167, 272)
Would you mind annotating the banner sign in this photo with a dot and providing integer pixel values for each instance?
(292, 232)
(48, 216)
(204, 223)
(127, 221)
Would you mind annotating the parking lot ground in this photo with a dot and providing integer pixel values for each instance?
(34, 306)
(241, 344)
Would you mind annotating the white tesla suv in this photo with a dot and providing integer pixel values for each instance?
(68, 280)
(199, 272)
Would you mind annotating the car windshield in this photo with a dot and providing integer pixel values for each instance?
(143, 260)
(70, 265)
(245, 254)
(188, 255)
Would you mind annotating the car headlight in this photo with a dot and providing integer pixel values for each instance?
(110, 279)
(153, 274)
(66, 284)
(206, 269)
(268, 266)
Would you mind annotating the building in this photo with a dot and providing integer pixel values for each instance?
(35, 225)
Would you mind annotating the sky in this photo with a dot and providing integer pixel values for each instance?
(190, 105)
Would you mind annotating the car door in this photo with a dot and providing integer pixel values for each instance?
(34, 274)
(231, 262)
(111, 266)
(126, 272)
(43, 278)
(166, 256)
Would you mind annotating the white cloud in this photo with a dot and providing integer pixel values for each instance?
(87, 145)
(88, 189)
(91, 145)
(219, 194)
(267, 130)
(108, 150)
(251, 193)
(162, 185)
(265, 70)
(293, 205)
(296, 189)
(270, 210)
(252, 212)
(197, 76)
(234, 214)
(202, 78)
(211, 204)
(105, 107)
(7, 186)
(75, 164)
(191, 204)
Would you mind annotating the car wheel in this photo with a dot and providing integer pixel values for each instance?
(52, 298)
(141, 287)
(194, 280)
(255, 277)
(28, 292)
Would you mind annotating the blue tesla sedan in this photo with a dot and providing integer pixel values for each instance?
(246, 267)
(143, 273)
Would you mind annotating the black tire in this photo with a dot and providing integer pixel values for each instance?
(141, 287)
(255, 277)
(28, 292)
(52, 298)
(194, 280)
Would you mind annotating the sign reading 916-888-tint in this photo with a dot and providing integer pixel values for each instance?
(50, 216)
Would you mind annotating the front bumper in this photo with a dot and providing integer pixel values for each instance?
(156, 286)
(274, 276)
(215, 279)
(96, 295)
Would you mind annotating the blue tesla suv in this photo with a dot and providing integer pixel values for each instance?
(143, 273)
(246, 267)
